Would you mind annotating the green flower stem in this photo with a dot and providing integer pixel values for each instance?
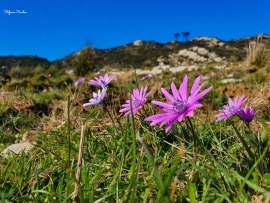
(68, 125)
(194, 140)
(134, 148)
(105, 108)
(243, 141)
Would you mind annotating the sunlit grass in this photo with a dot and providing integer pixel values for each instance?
(124, 158)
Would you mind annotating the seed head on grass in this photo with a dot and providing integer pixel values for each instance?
(101, 81)
(180, 104)
(232, 109)
(98, 98)
(138, 99)
(247, 115)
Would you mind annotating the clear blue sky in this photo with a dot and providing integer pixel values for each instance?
(53, 29)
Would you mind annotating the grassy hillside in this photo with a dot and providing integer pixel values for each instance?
(94, 153)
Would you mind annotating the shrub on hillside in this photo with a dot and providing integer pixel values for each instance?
(85, 62)
(52, 70)
(39, 78)
(63, 81)
(17, 85)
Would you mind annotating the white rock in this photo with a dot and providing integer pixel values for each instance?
(182, 68)
(138, 43)
(218, 59)
(220, 67)
(230, 80)
(17, 148)
(221, 44)
(69, 72)
(194, 49)
(205, 77)
(203, 51)
(183, 52)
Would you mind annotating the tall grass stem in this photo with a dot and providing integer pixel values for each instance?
(68, 125)
(79, 167)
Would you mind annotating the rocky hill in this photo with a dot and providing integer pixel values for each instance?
(150, 54)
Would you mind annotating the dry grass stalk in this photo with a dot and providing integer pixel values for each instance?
(78, 173)
(256, 53)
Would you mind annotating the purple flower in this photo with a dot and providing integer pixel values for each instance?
(230, 75)
(213, 74)
(101, 81)
(81, 80)
(45, 90)
(247, 115)
(98, 98)
(180, 104)
(138, 100)
(232, 109)
(2, 93)
(146, 77)
(173, 78)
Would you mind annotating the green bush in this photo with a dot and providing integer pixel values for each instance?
(85, 62)
(62, 81)
(18, 84)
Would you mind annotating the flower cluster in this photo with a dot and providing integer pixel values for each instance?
(103, 83)
(236, 108)
(180, 103)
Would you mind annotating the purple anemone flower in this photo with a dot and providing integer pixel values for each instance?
(180, 104)
(138, 99)
(101, 81)
(232, 109)
(44, 90)
(2, 93)
(81, 80)
(146, 77)
(98, 98)
(230, 75)
(247, 115)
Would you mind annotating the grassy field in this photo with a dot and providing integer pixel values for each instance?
(96, 154)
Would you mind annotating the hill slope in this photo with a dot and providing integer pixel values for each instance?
(150, 53)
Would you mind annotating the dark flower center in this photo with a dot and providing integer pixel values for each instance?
(180, 106)
(103, 82)
(136, 103)
(232, 109)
